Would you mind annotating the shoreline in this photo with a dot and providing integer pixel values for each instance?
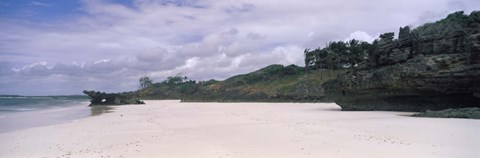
(15, 121)
(186, 129)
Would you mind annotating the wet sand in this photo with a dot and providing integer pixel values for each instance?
(51, 116)
(23, 120)
(246, 130)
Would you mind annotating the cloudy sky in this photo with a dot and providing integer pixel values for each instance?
(50, 47)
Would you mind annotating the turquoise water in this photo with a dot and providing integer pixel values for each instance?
(17, 113)
(23, 104)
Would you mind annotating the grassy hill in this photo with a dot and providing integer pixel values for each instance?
(273, 83)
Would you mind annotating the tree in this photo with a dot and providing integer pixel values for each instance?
(309, 58)
(171, 80)
(357, 51)
(332, 59)
(339, 55)
(145, 82)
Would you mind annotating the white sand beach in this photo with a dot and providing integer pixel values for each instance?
(246, 130)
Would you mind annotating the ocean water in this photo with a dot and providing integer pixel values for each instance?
(24, 104)
(17, 113)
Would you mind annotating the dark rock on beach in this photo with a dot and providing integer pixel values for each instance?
(102, 98)
(468, 113)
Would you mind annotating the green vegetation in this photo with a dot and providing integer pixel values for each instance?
(349, 54)
(273, 83)
(453, 24)
(145, 82)
(293, 83)
(338, 55)
(470, 113)
(432, 67)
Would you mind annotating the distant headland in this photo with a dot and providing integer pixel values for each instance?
(435, 66)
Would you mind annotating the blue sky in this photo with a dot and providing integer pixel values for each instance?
(50, 47)
(39, 10)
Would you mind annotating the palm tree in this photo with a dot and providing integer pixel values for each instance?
(145, 82)
(356, 52)
(308, 58)
(332, 59)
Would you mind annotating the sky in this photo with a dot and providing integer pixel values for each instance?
(62, 47)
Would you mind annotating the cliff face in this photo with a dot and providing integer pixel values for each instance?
(435, 66)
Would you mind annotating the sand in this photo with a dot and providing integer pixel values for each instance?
(246, 130)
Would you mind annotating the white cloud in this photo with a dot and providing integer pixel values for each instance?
(152, 55)
(41, 4)
(112, 44)
(310, 34)
(102, 61)
(360, 35)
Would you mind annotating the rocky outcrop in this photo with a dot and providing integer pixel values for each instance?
(102, 98)
(436, 66)
(468, 113)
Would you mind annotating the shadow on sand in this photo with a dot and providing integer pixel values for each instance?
(98, 110)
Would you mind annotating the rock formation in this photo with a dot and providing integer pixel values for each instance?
(435, 66)
(102, 98)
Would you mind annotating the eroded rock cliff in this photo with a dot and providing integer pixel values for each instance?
(435, 66)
